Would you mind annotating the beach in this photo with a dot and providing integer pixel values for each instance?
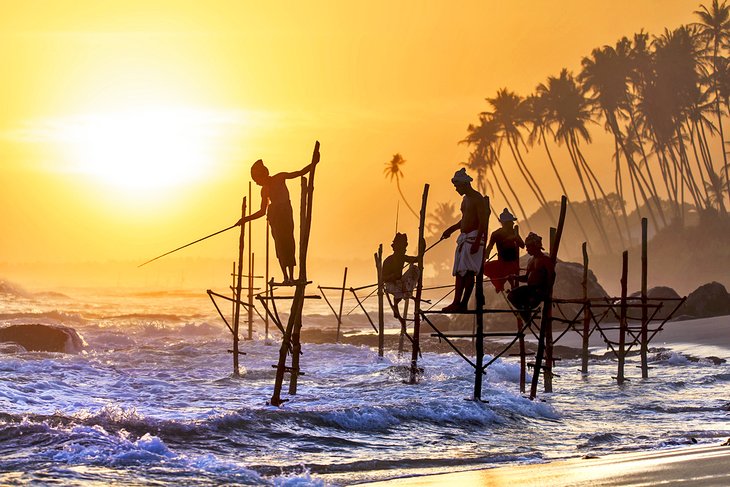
(696, 465)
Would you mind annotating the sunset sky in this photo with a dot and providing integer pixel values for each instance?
(127, 128)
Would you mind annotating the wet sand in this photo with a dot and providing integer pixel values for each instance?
(695, 465)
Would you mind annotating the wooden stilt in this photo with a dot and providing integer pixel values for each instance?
(546, 322)
(523, 355)
(250, 272)
(342, 301)
(381, 317)
(586, 314)
(623, 323)
(644, 310)
(419, 290)
(549, 359)
(403, 325)
(239, 284)
(266, 276)
(479, 318)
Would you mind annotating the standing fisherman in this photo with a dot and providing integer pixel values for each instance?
(469, 256)
(508, 242)
(275, 199)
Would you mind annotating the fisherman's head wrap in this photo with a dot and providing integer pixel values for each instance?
(258, 170)
(533, 239)
(506, 216)
(400, 239)
(461, 177)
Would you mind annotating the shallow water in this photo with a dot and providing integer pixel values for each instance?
(151, 400)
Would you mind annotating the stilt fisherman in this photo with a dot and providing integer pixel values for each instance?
(469, 256)
(276, 205)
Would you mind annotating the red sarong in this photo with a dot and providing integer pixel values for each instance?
(498, 271)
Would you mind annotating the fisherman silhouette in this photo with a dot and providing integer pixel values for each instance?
(469, 256)
(275, 204)
(398, 284)
(508, 242)
(539, 275)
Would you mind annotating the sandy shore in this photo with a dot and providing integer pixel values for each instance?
(695, 465)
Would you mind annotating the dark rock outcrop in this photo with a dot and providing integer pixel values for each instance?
(711, 299)
(43, 338)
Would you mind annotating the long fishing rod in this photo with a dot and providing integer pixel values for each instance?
(188, 245)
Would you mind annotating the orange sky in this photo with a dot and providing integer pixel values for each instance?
(128, 127)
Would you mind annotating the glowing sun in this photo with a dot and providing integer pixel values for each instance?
(144, 148)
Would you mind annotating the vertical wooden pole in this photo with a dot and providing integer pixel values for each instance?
(250, 272)
(549, 359)
(302, 281)
(381, 318)
(403, 326)
(523, 355)
(546, 322)
(644, 311)
(342, 301)
(239, 284)
(419, 289)
(233, 292)
(268, 292)
(479, 343)
(586, 313)
(622, 320)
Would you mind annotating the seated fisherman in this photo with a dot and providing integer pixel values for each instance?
(398, 284)
(540, 276)
(508, 242)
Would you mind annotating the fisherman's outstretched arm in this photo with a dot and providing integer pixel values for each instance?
(303, 171)
(447, 233)
(261, 212)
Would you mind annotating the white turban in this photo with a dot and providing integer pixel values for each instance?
(461, 177)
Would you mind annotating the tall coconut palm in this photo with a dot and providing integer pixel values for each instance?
(568, 112)
(510, 114)
(393, 171)
(715, 28)
(537, 117)
(485, 140)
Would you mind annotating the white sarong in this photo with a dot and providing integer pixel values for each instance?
(403, 287)
(464, 260)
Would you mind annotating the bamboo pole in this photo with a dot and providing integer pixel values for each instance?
(644, 310)
(623, 324)
(419, 289)
(342, 301)
(586, 313)
(381, 318)
(239, 283)
(403, 325)
(479, 343)
(546, 322)
(523, 355)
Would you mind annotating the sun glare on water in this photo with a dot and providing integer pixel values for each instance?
(142, 149)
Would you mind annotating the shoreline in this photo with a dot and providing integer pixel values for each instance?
(697, 465)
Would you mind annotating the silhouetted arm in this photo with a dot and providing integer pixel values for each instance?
(482, 216)
(447, 233)
(303, 171)
(262, 210)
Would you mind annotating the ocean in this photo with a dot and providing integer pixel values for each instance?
(150, 399)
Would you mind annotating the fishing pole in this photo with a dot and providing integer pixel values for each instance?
(188, 245)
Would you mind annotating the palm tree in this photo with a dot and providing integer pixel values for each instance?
(484, 137)
(509, 112)
(537, 109)
(715, 28)
(393, 170)
(568, 111)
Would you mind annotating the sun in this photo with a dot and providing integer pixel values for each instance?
(142, 149)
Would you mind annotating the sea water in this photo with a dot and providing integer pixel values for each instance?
(152, 400)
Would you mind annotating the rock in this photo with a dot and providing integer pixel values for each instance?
(43, 338)
(656, 294)
(711, 299)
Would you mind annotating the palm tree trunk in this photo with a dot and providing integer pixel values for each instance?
(534, 181)
(397, 183)
(653, 189)
(591, 207)
(530, 183)
(511, 190)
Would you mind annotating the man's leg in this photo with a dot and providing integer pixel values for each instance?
(458, 292)
(468, 283)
